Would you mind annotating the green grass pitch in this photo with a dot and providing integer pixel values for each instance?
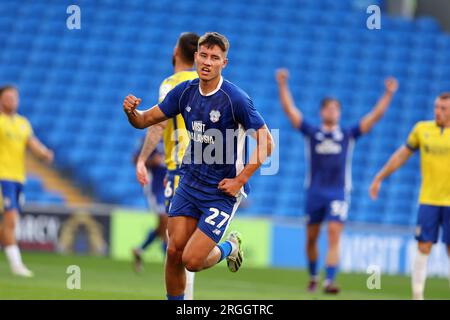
(103, 278)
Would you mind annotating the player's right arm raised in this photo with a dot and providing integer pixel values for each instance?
(293, 113)
(141, 119)
(396, 161)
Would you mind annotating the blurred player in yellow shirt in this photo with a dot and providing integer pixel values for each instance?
(175, 138)
(432, 139)
(16, 135)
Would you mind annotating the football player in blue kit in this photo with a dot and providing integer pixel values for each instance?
(329, 150)
(218, 116)
(154, 194)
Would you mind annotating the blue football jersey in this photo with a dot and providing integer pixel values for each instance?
(329, 157)
(217, 123)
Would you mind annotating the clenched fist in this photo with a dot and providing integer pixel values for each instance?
(230, 187)
(391, 85)
(130, 103)
(282, 76)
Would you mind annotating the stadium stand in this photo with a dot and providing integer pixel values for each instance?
(35, 192)
(72, 83)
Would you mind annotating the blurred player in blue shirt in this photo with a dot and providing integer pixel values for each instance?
(329, 150)
(154, 194)
(218, 115)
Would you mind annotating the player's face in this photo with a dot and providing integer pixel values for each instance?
(442, 112)
(210, 62)
(331, 113)
(9, 101)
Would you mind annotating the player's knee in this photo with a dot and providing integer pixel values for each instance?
(425, 247)
(192, 264)
(334, 234)
(174, 254)
(311, 242)
(9, 221)
(333, 240)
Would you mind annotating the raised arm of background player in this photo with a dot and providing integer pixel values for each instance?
(370, 119)
(367, 122)
(287, 102)
(395, 162)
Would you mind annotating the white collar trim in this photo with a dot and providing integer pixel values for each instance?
(214, 91)
(338, 128)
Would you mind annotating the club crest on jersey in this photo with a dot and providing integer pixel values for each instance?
(328, 146)
(337, 135)
(214, 116)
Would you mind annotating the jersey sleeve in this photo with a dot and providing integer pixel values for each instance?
(29, 129)
(413, 141)
(306, 128)
(170, 105)
(246, 114)
(355, 131)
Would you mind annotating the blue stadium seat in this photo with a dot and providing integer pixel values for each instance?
(72, 83)
(427, 24)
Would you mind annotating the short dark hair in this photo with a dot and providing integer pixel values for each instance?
(444, 96)
(187, 46)
(6, 88)
(325, 101)
(211, 39)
